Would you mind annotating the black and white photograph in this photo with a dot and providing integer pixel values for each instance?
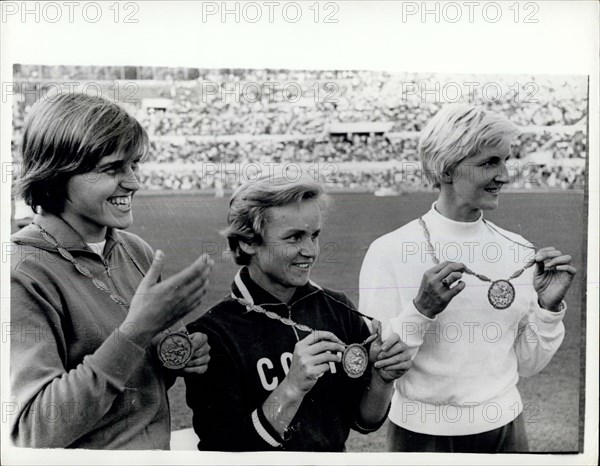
(237, 233)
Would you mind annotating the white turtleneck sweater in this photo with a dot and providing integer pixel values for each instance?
(467, 360)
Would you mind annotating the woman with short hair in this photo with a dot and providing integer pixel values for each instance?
(478, 305)
(91, 325)
(294, 366)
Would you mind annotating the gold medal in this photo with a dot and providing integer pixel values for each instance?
(501, 294)
(355, 360)
(175, 350)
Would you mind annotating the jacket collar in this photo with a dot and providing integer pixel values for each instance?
(66, 236)
(245, 288)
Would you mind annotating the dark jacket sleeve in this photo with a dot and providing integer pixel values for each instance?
(223, 417)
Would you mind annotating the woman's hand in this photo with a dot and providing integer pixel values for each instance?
(436, 289)
(390, 358)
(200, 355)
(552, 277)
(156, 306)
(310, 361)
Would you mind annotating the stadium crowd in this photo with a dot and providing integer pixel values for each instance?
(284, 115)
(291, 104)
(397, 179)
(340, 149)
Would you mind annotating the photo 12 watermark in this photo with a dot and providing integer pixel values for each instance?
(470, 12)
(270, 12)
(469, 91)
(31, 332)
(270, 92)
(468, 412)
(470, 332)
(69, 12)
(125, 92)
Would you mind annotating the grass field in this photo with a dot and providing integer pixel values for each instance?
(184, 225)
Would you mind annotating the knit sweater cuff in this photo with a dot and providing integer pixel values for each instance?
(116, 358)
(410, 326)
(548, 317)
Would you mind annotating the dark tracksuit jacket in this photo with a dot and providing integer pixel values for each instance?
(250, 356)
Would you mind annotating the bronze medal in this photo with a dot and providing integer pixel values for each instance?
(501, 294)
(355, 360)
(175, 350)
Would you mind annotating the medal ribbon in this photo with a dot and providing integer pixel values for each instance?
(468, 271)
(82, 269)
(284, 320)
(355, 356)
(164, 356)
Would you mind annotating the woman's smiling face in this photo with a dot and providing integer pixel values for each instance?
(290, 247)
(476, 182)
(102, 197)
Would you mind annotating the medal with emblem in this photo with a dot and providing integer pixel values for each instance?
(175, 350)
(355, 357)
(501, 294)
(355, 360)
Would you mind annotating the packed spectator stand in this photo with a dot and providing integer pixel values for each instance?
(208, 126)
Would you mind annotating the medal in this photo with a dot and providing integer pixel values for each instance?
(501, 293)
(355, 357)
(175, 350)
(355, 360)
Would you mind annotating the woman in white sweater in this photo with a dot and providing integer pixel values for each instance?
(478, 305)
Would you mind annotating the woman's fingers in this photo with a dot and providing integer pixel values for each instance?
(567, 268)
(154, 271)
(191, 277)
(457, 289)
(564, 259)
(449, 279)
(322, 347)
(390, 343)
(199, 361)
(324, 358)
(397, 353)
(400, 366)
(450, 268)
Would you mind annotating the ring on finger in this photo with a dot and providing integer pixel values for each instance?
(446, 282)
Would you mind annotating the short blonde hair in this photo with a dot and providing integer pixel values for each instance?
(247, 216)
(456, 132)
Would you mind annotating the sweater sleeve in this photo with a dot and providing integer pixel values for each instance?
(53, 406)
(380, 298)
(223, 417)
(539, 336)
